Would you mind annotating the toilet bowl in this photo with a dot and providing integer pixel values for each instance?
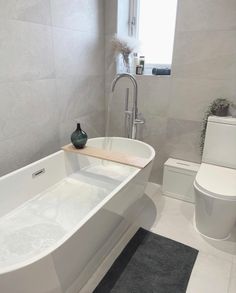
(215, 201)
(215, 182)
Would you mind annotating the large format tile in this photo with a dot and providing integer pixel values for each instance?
(204, 54)
(25, 104)
(111, 16)
(183, 139)
(37, 11)
(154, 94)
(175, 219)
(26, 51)
(78, 53)
(110, 62)
(38, 142)
(210, 274)
(79, 96)
(158, 165)
(191, 97)
(85, 16)
(153, 132)
(206, 15)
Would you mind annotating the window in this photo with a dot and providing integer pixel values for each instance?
(153, 23)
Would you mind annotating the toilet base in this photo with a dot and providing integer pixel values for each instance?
(214, 217)
(208, 237)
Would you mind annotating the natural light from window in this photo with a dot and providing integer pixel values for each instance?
(156, 30)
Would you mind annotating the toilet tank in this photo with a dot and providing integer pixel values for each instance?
(220, 142)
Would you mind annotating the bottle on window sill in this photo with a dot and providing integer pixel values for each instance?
(135, 61)
(139, 69)
(142, 62)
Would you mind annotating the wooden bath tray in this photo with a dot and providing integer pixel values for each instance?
(108, 155)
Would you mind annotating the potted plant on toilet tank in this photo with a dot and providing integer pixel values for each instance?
(219, 107)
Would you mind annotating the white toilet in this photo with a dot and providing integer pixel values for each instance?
(215, 183)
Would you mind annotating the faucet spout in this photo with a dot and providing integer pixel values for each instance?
(134, 117)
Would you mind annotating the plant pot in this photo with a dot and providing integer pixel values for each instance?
(223, 111)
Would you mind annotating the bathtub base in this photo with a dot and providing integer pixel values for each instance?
(115, 249)
(118, 240)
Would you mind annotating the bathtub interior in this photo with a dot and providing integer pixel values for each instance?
(48, 216)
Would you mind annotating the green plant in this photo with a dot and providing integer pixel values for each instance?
(219, 107)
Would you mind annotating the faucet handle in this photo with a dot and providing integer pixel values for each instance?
(140, 119)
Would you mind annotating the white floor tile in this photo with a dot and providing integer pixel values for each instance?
(215, 267)
(175, 220)
(210, 274)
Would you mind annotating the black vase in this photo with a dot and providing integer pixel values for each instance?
(79, 137)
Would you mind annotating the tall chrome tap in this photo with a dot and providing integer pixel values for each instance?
(133, 115)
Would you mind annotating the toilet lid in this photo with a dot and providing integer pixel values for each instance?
(218, 181)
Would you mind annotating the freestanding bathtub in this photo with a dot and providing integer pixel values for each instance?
(60, 216)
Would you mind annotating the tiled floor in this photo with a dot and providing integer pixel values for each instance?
(215, 268)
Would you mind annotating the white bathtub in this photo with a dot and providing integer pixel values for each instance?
(60, 216)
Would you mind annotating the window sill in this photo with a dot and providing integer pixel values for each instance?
(151, 75)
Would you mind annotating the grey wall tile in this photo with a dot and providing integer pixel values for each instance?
(39, 109)
(38, 11)
(80, 95)
(110, 16)
(25, 104)
(203, 69)
(28, 147)
(206, 15)
(110, 64)
(78, 52)
(85, 16)
(205, 54)
(183, 139)
(154, 94)
(190, 98)
(26, 51)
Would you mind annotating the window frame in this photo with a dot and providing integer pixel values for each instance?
(133, 31)
(133, 23)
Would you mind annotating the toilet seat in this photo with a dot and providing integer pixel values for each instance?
(215, 181)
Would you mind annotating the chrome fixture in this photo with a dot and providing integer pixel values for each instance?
(131, 117)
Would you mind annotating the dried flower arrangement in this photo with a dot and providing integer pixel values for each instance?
(124, 46)
(219, 107)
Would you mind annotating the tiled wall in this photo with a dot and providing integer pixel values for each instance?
(204, 68)
(51, 73)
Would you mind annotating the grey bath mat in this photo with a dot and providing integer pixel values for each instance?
(150, 263)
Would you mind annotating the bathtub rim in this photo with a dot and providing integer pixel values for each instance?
(80, 224)
(152, 150)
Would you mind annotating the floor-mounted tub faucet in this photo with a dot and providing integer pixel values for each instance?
(133, 114)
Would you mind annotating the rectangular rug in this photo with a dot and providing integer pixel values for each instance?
(150, 263)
